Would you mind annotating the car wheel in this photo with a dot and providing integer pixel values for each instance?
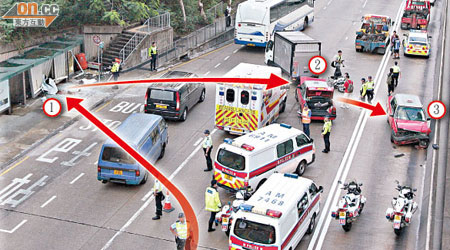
(283, 107)
(424, 143)
(104, 181)
(301, 168)
(392, 137)
(312, 224)
(144, 180)
(202, 96)
(184, 115)
(163, 150)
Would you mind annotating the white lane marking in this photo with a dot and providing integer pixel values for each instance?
(197, 142)
(150, 193)
(329, 2)
(47, 202)
(76, 179)
(14, 229)
(345, 165)
(435, 139)
(236, 50)
(226, 58)
(364, 5)
(207, 73)
(325, 7)
(217, 65)
(179, 167)
(346, 38)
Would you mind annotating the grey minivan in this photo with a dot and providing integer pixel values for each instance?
(174, 100)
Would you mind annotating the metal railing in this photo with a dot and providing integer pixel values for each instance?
(216, 10)
(150, 25)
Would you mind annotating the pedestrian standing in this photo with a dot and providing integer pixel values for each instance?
(390, 81)
(115, 69)
(348, 88)
(363, 90)
(326, 134)
(153, 52)
(306, 118)
(159, 197)
(370, 89)
(179, 230)
(207, 148)
(336, 63)
(396, 73)
(228, 15)
(212, 203)
(396, 44)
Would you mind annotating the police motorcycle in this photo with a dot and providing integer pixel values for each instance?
(225, 216)
(337, 80)
(350, 206)
(402, 209)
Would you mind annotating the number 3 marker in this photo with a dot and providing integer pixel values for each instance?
(52, 107)
(317, 65)
(436, 110)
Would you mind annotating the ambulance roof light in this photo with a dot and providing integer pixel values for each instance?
(246, 207)
(273, 213)
(285, 125)
(291, 175)
(247, 147)
(228, 140)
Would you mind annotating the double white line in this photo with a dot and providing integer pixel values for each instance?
(344, 167)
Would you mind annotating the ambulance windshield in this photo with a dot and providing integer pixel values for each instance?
(231, 160)
(254, 231)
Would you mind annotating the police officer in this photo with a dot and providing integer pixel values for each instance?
(326, 134)
(153, 52)
(306, 118)
(179, 230)
(207, 148)
(370, 89)
(159, 197)
(212, 203)
(115, 69)
(363, 90)
(396, 73)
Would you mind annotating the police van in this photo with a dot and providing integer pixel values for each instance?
(278, 215)
(242, 108)
(250, 159)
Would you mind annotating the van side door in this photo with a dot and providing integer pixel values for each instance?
(283, 151)
(163, 131)
(192, 100)
(155, 151)
(303, 215)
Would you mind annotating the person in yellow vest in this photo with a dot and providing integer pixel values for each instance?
(159, 197)
(115, 69)
(153, 52)
(306, 119)
(326, 131)
(363, 90)
(396, 73)
(207, 148)
(370, 89)
(212, 203)
(180, 231)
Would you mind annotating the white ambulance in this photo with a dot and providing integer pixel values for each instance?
(278, 215)
(242, 108)
(250, 159)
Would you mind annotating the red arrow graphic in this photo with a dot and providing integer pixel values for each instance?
(187, 208)
(376, 110)
(272, 82)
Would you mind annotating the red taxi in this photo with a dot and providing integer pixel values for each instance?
(319, 97)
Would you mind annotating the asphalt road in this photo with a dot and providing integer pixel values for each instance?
(63, 206)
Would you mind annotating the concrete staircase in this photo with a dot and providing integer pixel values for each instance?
(113, 50)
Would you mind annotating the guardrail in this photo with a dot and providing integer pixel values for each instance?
(216, 10)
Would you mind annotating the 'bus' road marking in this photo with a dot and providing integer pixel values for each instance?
(217, 65)
(207, 73)
(145, 205)
(197, 142)
(346, 162)
(14, 229)
(76, 179)
(47, 202)
(226, 58)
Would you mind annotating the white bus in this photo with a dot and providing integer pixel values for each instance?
(257, 20)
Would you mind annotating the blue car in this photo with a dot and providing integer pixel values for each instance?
(148, 135)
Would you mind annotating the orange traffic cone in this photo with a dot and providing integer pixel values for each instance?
(167, 205)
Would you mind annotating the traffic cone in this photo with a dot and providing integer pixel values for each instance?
(167, 205)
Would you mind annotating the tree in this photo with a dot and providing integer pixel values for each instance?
(202, 11)
(183, 11)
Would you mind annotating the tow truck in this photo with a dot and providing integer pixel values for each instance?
(416, 14)
(373, 36)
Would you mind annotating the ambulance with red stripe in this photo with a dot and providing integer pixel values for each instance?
(242, 108)
(249, 160)
(278, 215)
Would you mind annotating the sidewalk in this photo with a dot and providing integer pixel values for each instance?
(28, 126)
(446, 229)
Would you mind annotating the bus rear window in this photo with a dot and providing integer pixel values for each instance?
(231, 160)
(255, 232)
(113, 154)
(163, 95)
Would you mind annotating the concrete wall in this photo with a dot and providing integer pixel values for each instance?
(163, 38)
(106, 33)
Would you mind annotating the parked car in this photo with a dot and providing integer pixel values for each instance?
(319, 97)
(407, 120)
(174, 100)
(417, 42)
(147, 134)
